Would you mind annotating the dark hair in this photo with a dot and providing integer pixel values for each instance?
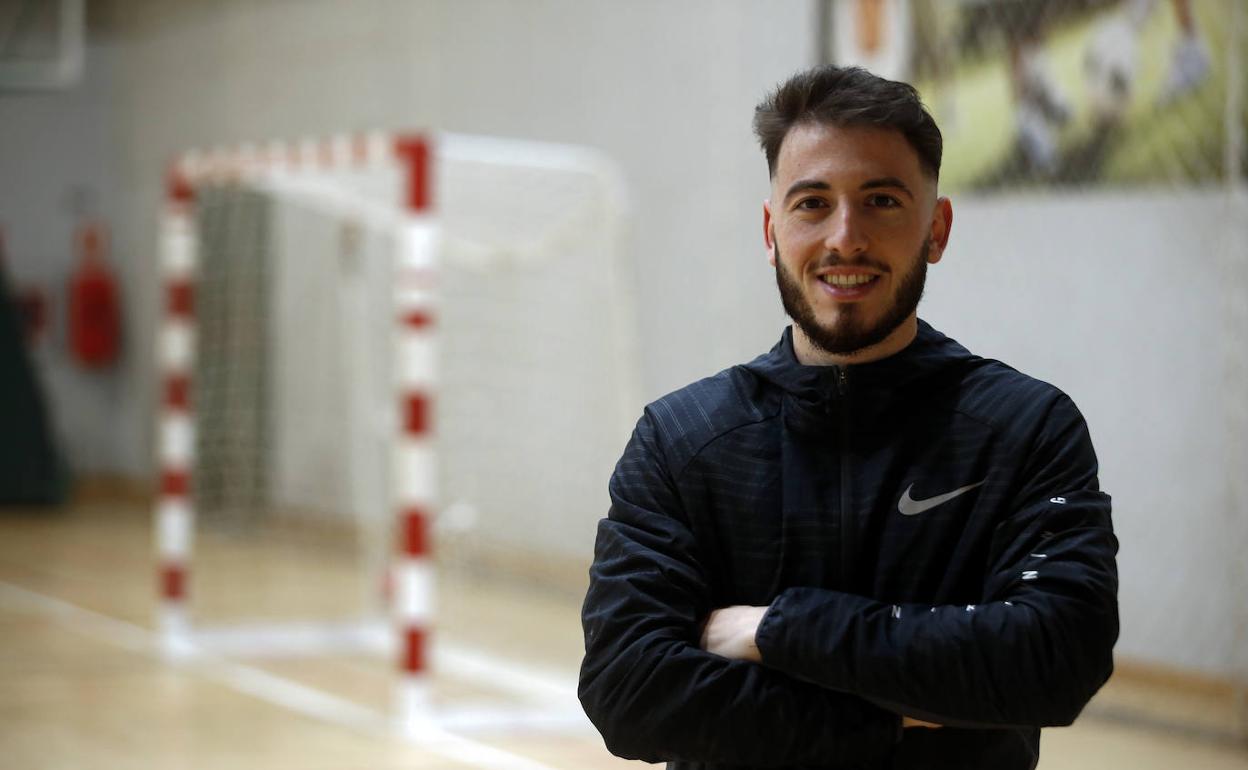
(847, 96)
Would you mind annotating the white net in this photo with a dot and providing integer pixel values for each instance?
(295, 396)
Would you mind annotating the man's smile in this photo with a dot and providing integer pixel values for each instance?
(847, 280)
(848, 286)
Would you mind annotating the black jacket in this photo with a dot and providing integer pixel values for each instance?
(815, 490)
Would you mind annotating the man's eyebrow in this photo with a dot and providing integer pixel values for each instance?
(805, 184)
(891, 182)
(886, 181)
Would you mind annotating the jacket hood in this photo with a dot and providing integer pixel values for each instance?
(929, 354)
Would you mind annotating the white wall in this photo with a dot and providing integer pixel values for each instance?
(1113, 298)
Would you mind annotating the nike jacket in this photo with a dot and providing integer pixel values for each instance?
(927, 531)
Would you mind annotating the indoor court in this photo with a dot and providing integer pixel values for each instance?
(387, 285)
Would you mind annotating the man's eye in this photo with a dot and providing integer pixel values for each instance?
(810, 203)
(882, 201)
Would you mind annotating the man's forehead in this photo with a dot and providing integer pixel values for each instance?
(818, 150)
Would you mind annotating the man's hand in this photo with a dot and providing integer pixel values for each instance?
(729, 632)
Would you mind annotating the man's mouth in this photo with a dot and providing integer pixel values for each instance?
(847, 281)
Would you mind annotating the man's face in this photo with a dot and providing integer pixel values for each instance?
(851, 226)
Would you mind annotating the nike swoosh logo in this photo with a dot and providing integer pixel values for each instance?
(911, 507)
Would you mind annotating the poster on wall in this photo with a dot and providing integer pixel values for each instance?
(1030, 93)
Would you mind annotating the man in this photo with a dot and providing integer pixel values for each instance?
(868, 547)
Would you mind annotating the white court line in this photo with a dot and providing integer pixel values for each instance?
(268, 687)
(551, 689)
(531, 683)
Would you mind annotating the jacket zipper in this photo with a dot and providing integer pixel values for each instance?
(842, 389)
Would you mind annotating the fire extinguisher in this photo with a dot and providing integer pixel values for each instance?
(94, 305)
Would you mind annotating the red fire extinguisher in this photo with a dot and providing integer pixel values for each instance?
(94, 305)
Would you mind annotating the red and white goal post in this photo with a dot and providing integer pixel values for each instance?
(326, 303)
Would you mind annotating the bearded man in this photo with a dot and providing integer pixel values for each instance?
(867, 548)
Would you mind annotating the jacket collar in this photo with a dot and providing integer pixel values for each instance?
(926, 355)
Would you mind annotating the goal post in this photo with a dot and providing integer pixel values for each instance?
(357, 334)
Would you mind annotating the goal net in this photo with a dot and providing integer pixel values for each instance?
(284, 424)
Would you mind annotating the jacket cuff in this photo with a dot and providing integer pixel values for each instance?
(770, 634)
(765, 636)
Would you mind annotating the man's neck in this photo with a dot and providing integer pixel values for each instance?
(808, 354)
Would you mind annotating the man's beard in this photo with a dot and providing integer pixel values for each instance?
(851, 333)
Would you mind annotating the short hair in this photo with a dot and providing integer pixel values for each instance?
(847, 96)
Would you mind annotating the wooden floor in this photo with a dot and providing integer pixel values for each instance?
(86, 682)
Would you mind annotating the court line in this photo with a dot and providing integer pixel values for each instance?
(530, 682)
(268, 687)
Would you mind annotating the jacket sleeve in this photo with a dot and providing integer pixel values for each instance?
(1031, 654)
(648, 687)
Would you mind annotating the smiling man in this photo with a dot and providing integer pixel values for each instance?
(838, 189)
(867, 548)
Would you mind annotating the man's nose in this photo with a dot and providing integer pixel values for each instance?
(846, 235)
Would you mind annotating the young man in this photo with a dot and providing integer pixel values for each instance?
(867, 547)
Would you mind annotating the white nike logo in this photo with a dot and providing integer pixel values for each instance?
(911, 507)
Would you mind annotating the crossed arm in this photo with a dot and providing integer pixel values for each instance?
(1032, 655)
(731, 632)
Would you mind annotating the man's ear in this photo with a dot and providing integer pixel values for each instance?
(768, 240)
(938, 235)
